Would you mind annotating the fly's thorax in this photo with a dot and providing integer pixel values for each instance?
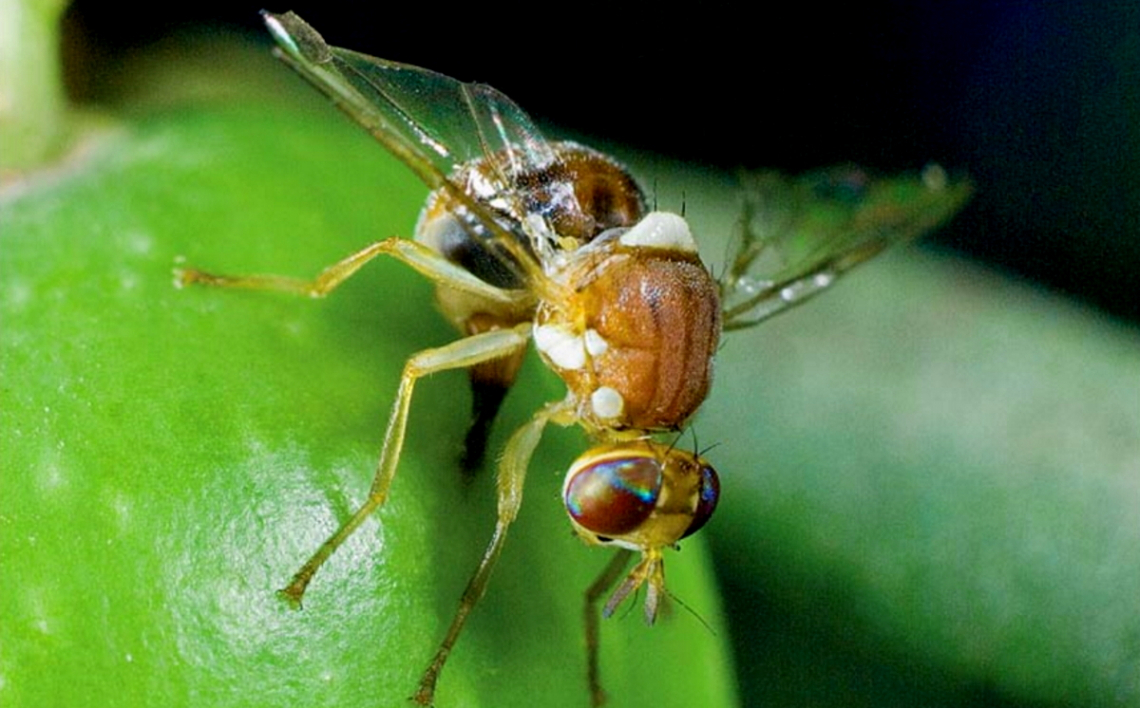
(584, 194)
(640, 495)
(635, 333)
(578, 196)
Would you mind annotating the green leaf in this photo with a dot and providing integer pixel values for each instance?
(170, 457)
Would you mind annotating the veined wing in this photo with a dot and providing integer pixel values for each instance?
(429, 121)
(798, 235)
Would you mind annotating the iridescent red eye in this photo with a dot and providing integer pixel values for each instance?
(706, 501)
(612, 497)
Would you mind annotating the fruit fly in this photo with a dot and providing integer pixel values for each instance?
(528, 239)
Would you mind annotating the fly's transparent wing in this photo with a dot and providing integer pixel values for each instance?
(456, 122)
(507, 136)
(798, 235)
(431, 122)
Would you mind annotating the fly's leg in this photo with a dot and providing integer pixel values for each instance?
(425, 260)
(601, 586)
(512, 472)
(472, 351)
(457, 355)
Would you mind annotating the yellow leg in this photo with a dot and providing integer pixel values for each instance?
(601, 585)
(457, 355)
(512, 473)
(426, 261)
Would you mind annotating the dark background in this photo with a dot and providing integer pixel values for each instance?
(1040, 105)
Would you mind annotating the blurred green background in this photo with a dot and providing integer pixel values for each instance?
(931, 475)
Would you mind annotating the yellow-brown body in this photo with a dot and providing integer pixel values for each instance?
(645, 317)
(649, 320)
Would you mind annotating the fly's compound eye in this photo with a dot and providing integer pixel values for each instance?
(708, 496)
(611, 495)
(640, 495)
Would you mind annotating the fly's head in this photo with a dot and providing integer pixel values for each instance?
(644, 496)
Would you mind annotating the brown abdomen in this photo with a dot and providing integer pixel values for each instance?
(658, 313)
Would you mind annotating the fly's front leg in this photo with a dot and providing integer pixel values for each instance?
(512, 473)
(457, 355)
(426, 261)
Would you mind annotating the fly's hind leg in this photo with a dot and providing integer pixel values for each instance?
(457, 355)
(512, 473)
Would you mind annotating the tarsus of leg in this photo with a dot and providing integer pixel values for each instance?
(512, 474)
(424, 260)
(457, 355)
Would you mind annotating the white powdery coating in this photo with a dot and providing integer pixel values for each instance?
(607, 402)
(661, 229)
(564, 350)
(596, 345)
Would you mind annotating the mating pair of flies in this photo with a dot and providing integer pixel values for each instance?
(528, 239)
